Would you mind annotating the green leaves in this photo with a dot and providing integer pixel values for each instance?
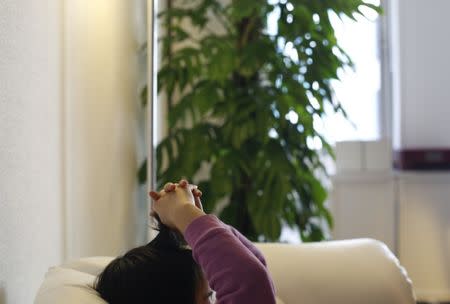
(239, 9)
(245, 107)
(219, 57)
(248, 63)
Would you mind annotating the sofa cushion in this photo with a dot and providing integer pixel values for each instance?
(90, 265)
(69, 286)
(72, 283)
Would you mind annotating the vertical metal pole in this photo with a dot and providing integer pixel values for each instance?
(151, 123)
(388, 102)
(386, 79)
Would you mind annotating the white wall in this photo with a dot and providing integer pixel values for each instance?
(424, 232)
(102, 106)
(31, 225)
(420, 46)
(68, 116)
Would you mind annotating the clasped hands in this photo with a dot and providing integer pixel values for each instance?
(177, 204)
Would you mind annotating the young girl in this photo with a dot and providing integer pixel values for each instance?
(166, 271)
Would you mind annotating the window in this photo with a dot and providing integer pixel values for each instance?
(359, 90)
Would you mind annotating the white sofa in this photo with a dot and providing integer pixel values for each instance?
(359, 271)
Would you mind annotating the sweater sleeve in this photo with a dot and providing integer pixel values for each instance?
(232, 270)
(256, 252)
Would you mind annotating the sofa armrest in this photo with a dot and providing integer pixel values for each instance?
(338, 272)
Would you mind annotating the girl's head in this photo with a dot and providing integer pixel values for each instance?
(162, 271)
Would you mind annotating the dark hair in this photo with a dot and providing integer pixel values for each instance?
(162, 271)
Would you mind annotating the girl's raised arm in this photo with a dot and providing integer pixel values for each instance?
(232, 269)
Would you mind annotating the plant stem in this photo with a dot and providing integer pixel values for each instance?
(247, 30)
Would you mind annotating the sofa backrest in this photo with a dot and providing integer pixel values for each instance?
(340, 272)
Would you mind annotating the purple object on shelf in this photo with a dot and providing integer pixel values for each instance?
(422, 159)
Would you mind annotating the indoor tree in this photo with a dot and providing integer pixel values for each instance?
(242, 101)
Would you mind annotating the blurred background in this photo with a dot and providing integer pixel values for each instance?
(98, 97)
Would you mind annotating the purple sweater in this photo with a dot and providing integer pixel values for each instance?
(235, 269)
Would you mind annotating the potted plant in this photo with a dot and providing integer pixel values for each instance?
(241, 102)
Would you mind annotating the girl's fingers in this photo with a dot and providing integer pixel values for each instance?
(183, 183)
(154, 195)
(169, 187)
(197, 193)
(192, 187)
(198, 202)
